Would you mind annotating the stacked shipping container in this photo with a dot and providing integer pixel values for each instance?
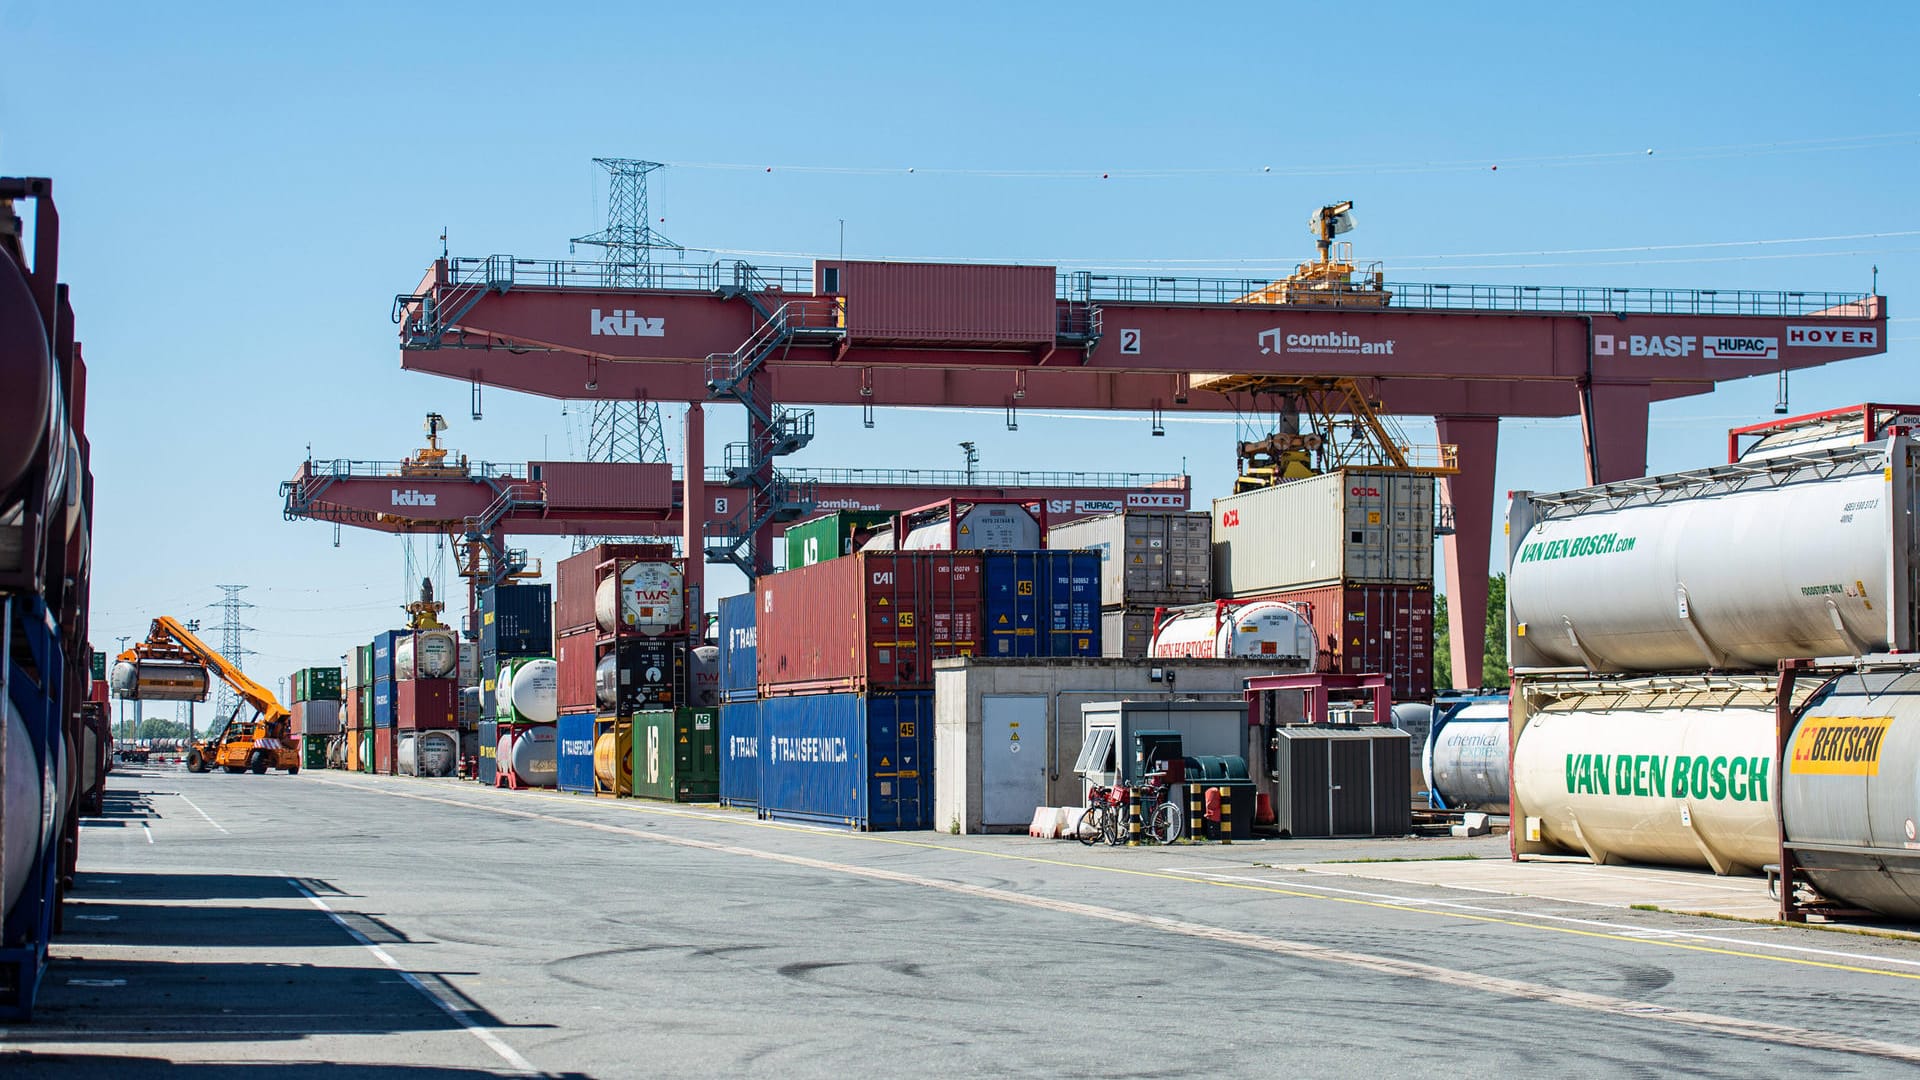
(1148, 559)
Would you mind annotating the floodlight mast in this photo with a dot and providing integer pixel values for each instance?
(1328, 222)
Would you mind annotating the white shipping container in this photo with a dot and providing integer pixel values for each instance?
(1147, 557)
(1126, 633)
(1361, 526)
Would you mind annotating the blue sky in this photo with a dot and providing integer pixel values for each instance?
(245, 187)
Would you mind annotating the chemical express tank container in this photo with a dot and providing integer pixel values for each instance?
(652, 599)
(1730, 568)
(1676, 771)
(427, 753)
(426, 654)
(153, 680)
(1465, 757)
(529, 690)
(1853, 783)
(1262, 630)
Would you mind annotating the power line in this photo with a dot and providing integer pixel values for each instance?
(231, 645)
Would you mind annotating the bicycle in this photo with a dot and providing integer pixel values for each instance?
(1163, 822)
(1106, 817)
(1103, 819)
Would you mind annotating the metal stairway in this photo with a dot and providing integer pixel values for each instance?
(504, 562)
(425, 318)
(773, 431)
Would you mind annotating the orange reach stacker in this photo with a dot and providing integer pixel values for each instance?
(173, 665)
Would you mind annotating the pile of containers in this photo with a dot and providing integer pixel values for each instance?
(358, 693)
(1149, 559)
(739, 721)
(830, 536)
(318, 717)
(519, 686)
(1353, 551)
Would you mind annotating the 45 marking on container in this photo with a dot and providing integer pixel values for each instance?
(1129, 342)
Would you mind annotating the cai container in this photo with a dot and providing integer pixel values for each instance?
(1042, 603)
(863, 761)
(871, 622)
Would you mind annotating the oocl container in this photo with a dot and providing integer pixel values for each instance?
(1730, 568)
(574, 748)
(1042, 603)
(873, 621)
(863, 761)
(1261, 630)
(739, 649)
(648, 598)
(676, 755)
(427, 753)
(1148, 558)
(426, 654)
(1357, 526)
(740, 753)
(1678, 774)
(1464, 759)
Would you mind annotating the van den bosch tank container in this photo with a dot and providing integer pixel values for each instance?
(1464, 759)
(573, 768)
(426, 753)
(1360, 526)
(384, 706)
(1367, 629)
(643, 674)
(739, 648)
(647, 598)
(830, 536)
(676, 755)
(872, 621)
(1730, 568)
(1678, 772)
(516, 620)
(152, 680)
(1259, 630)
(383, 751)
(864, 761)
(321, 718)
(1853, 783)
(426, 654)
(1042, 603)
(740, 753)
(1148, 558)
(424, 703)
(488, 768)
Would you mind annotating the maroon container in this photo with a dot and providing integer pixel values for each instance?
(383, 751)
(423, 704)
(577, 658)
(1364, 629)
(575, 581)
(915, 303)
(870, 622)
(604, 485)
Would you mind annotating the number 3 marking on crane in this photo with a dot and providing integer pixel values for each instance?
(1130, 342)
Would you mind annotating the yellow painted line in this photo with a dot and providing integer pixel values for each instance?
(1735, 1027)
(1277, 890)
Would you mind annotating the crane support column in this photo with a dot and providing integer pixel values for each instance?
(1470, 493)
(694, 508)
(1613, 420)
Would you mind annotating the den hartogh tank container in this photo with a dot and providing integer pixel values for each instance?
(1731, 568)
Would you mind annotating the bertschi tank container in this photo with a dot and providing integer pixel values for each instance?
(1360, 526)
(1148, 558)
(426, 654)
(1730, 568)
(1853, 787)
(1464, 759)
(1677, 771)
(652, 599)
(427, 753)
(1262, 630)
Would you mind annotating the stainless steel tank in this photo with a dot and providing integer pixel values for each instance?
(1465, 757)
(703, 677)
(1853, 780)
(21, 812)
(1261, 630)
(530, 689)
(28, 372)
(152, 680)
(427, 753)
(534, 755)
(648, 598)
(426, 654)
(1731, 568)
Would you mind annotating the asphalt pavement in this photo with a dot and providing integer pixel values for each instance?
(332, 924)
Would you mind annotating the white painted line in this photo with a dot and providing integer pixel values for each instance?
(203, 813)
(493, 1042)
(1625, 929)
(149, 830)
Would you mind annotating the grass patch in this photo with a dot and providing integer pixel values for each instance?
(1406, 858)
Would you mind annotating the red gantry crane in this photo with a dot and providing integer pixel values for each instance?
(872, 334)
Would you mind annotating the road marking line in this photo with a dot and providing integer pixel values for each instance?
(493, 1042)
(1715, 1023)
(149, 830)
(203, 813)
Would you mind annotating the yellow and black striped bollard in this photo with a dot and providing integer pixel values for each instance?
(1133, 817)
(1196, 813)
(1226, 814)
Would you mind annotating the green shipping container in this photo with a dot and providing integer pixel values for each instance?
(676, 755)
(99, 666)
(313, 751)
(363, 665)
(831, 536)
(316, 684)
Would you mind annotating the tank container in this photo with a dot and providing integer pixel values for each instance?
(426, 654)
(1464, 758)
(647, 598)
(427, 753)
(1261, 630)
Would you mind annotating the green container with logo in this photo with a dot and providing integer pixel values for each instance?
(676, 755)
(313, 751)
(316, 684)
(831, 536)
(363, 665)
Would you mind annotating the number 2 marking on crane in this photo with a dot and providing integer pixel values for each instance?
(1130, 342)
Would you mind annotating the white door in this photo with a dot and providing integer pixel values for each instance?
(1013, 757)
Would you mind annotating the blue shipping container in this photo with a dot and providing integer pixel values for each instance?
(739, 750)
(848, 759)
(383, 707)
(1042, 603)
(384, 644)
(739, 649)
(574, 769)
(516, 620)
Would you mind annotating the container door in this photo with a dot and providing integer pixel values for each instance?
(697, 755)
(1013, 757)
(1350, 791)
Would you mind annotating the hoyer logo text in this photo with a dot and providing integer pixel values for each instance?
(626, 323)
(1834, 337)
(1336, 342)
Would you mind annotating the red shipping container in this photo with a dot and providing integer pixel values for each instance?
(383, 751)
(952, 304)
(425, 703)
(574, 582)
(578, 661)
(1367, 629)
(873, 621)
(604, 485)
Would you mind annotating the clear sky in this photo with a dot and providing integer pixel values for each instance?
(244, 187)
